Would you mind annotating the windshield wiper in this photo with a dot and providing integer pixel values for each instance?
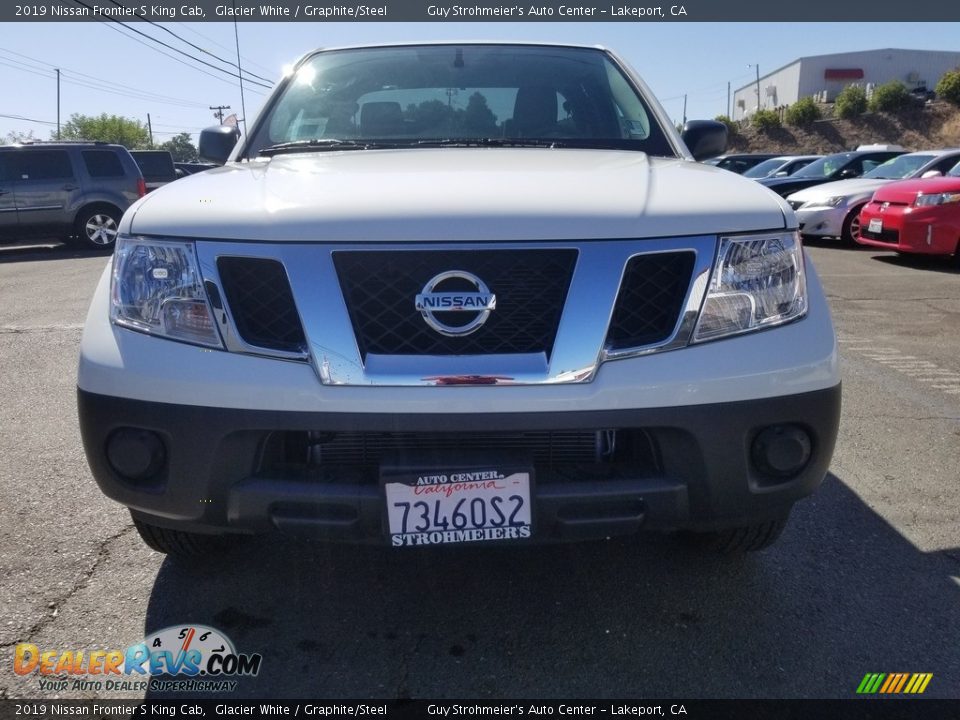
(320, 144)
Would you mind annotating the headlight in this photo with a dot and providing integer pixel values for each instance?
(156, 288)
(936, 199)
(835, 201)
(757, 282)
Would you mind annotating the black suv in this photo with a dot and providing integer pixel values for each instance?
(74, 192)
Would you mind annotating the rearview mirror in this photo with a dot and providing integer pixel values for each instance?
(217, 142)
(705, 138)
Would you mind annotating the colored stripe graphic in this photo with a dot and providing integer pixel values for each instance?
(894, 683)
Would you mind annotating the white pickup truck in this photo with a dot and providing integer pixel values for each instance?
(455, 293)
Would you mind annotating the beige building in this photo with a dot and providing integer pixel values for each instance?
(824, 76)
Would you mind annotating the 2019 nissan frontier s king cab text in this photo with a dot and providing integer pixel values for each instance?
(456, 293)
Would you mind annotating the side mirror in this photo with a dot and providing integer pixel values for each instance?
(217, 142)
(931, 173)
(847, 174)
(782, 173)
(705, 138)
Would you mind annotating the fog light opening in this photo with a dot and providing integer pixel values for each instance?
(782, 451)
(136, 455)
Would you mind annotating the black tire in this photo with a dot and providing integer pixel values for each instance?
(179, 544)
(96, 227)
(851, 225)
(749, 538)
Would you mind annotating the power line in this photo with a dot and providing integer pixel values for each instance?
(170, 47)
(26, 119)
(96, 83)
(247, 61)
(172, 57)
(196, 47)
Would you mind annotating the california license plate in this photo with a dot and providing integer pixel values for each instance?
(443, 505)
(875, 225)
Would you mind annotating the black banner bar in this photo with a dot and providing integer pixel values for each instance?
(856, 709)
(628, 11)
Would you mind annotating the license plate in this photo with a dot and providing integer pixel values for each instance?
(440, 507)
(875, 226)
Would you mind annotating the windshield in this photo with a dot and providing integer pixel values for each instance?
(765, 168)
(824, 167)
(401, 96)
(899, 167)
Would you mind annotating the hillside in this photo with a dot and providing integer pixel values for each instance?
(936, 125)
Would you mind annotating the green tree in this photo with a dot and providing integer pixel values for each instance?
(180, 147)
(19, 136)
(948, 87)
(851, 101)
(889, 97)
(478, 118)
(803, 112)
(107, 128)
(765, 120)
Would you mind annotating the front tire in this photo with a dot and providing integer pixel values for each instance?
(851, 226)
(96, 227)
(744, 539)
(184, 546)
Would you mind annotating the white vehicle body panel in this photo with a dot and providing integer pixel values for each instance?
(796, 358)
(457, 194)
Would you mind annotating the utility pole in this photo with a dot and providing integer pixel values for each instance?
(236, 38)
(757, 66)
(58, 103)
(218, 114)
(728, 99)
(150, 128)
(684, 108)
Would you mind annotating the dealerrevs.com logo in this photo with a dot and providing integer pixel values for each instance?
(183, 658)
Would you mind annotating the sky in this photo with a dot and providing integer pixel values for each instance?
(109, 69)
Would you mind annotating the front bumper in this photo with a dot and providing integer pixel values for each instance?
(924, 230)
(823, 221)
(697, 471)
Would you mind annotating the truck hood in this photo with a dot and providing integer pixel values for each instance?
(457, 194)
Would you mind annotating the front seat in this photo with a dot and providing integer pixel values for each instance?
(534, 112)
(381, 119)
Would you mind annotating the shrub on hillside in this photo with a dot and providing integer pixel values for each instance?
(765, 120)
(732, 126)
(803, 112)
(851, 101)
(890, 97)
(948, 87)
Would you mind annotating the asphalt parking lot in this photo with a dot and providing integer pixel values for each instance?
(865, 579)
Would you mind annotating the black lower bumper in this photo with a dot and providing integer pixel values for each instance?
(215, 469)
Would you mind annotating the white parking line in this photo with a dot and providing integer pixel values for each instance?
(948, 381)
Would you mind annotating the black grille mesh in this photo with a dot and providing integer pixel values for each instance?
(380, 287)
(258, 294)
(651, 296)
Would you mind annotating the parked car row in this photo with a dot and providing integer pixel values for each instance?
(833, 209)
(77, 191)
(877, 195)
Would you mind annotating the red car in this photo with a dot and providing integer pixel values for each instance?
(915, 216)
